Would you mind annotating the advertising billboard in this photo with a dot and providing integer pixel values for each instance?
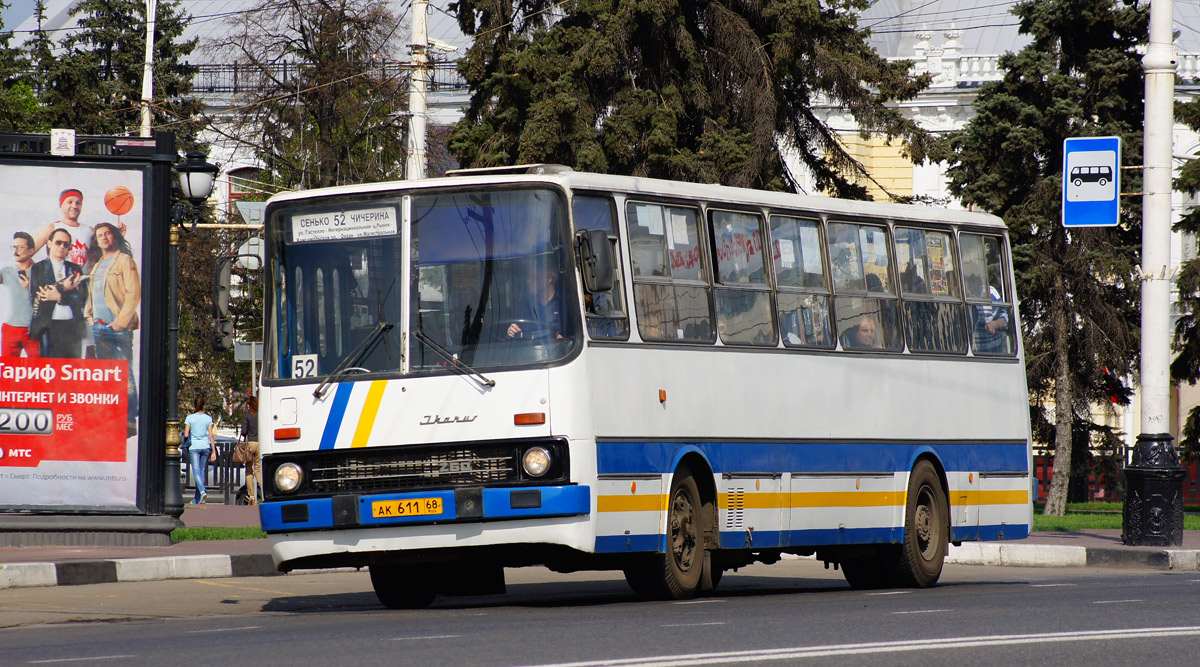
(71, 314)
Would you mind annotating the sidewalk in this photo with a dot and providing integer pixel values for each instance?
(64, 566)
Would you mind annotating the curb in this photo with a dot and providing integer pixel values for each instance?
(77, 573)
(1044, 555)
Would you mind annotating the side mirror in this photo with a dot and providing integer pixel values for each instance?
(595, 260)
(221, 288)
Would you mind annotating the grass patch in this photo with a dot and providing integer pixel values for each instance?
(198, 533)
(1093, 521)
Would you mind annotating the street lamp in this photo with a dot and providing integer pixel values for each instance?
(196, 177)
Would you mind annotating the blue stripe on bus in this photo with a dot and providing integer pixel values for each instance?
(808, 457)
(337, 412)
(764, 539)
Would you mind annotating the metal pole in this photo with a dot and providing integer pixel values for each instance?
(415, 165)
(148, 69)
(173, 500)
(1153, 508)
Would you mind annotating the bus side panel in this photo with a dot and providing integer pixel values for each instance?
(630, 510)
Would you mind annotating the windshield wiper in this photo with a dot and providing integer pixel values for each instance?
(455, 363)
(350, 363)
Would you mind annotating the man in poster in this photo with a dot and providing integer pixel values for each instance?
(14, 333)
(58, 320)
(70, 202)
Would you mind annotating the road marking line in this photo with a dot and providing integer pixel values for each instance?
(244, 588)
(759, 655)
(248, 627)
(891, 593)
(1050, 585)
(698, 602)
(1113, 601)
(97, 657)
(691, 625)
(922, 611)
(405, 639)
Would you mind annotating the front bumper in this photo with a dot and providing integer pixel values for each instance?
(457, 505)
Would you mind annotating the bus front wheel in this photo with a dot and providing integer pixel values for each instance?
(926, 529)
(411, 589)
(675, 575)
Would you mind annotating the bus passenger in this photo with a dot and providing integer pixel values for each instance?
(541, 311)
(990, 322)
(864, 335)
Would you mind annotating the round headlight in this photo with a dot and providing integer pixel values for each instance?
(287, 477)
(536, 461)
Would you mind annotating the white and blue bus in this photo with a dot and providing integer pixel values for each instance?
(536, 366)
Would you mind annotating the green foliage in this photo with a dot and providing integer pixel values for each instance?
(685, 90)
(200, 533)
(95, 85)
(222, 381)
(333, 115)
(1079, 294)
(1186, 366)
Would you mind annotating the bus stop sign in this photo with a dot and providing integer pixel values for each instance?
(1091, 181)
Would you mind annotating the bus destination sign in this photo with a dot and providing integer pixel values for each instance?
(341, 225)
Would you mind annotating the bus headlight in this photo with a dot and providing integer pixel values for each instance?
(536, 461)
(287, 477)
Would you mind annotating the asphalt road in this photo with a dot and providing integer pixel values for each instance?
(793, 612)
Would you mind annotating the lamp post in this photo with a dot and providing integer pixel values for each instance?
(196, 177)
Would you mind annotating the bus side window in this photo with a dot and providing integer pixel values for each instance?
(864, 299)
(743, 298)
(802, 296)
(989, 305)
(604, 312)
(670, 278)
(933, 313)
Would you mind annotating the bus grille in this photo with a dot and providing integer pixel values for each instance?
(393, 469)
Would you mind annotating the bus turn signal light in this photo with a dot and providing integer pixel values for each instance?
(529, 418)
(287, 433)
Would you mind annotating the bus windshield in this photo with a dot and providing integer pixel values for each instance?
(490, 284)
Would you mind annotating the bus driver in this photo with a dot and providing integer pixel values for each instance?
(541, 311)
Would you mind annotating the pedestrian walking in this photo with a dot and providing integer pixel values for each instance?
(250, 437)
(199, 431)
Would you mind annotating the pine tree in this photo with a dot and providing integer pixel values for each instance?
(1078, 289)
(95, 84)
(18, 103)
(688, 90)
(1186, 366)
(328, 109)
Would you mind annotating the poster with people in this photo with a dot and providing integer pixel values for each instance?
(70, 313)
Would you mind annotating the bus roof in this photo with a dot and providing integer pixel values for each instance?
(653, 187)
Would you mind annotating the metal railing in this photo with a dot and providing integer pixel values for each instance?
(238, 78)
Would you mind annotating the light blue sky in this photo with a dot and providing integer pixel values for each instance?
(18, 11)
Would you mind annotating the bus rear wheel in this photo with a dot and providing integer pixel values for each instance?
(409, 589)
(926, 529)
(675, 575)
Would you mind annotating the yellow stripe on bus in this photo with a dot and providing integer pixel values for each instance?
(658, 503)
(371, 408)
(655, 503)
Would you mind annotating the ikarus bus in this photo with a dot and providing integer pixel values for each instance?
(536, 366)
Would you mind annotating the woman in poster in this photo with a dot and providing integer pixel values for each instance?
(116, 292)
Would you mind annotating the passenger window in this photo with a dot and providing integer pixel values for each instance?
(670, 278)
(604, 312)
(865, 304)
(933, 314)
(985, 286)
(802, 296)
(743, 298)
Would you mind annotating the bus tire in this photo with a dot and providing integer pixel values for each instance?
(676, 574)
(414, 589)
(926, 529)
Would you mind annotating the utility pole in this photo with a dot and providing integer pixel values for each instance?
(1153, 509)
(148, 69)
(415, 166)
